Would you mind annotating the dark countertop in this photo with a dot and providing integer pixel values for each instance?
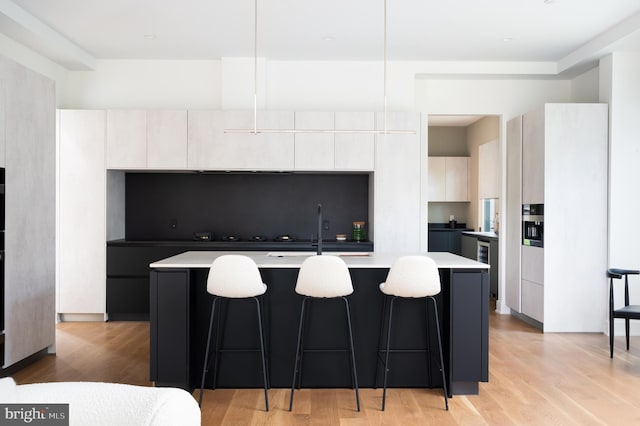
(444, 227)
(364, 246)
(487, 235)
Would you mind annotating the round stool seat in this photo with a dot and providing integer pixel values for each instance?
(235, 276)
(324, 276)
(412, 276)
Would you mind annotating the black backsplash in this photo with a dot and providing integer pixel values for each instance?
(244, 205)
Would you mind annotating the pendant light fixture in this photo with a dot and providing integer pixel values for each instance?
(256, 130)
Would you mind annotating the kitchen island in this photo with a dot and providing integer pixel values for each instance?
(180, 308)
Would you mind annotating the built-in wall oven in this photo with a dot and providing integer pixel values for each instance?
(533, 225)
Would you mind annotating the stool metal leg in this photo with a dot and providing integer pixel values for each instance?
(429, 350)
(264, 363)
(298, 354)
(353, 356)
(380, 337)
(206, 353)
(444, 379)
(386, 357)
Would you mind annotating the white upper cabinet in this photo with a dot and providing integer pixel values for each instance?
(314, 151)
(397, 183)
(533, 159)
(262, 151)
(355, 151)
(448, 179)
(126, 139)
(205, 136)
(437, 178)
(489, 170)
(167, 139)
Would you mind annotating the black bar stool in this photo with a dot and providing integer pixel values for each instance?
(413, 277)
(323, 276)
(235, 277)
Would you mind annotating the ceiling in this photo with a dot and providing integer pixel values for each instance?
(76, 33)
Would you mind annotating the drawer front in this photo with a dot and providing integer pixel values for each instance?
(128, 296)
(533, 300)
(134, 261)
(533, 264)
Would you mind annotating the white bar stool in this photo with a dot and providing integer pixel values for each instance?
(235, 277)
(413, 277)
(323, 276)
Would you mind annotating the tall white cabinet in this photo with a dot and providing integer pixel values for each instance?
(82, 214)
(28, 114)
(564, 165)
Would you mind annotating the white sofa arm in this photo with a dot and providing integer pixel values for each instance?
(94, 403)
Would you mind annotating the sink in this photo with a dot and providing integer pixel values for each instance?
(313, 253)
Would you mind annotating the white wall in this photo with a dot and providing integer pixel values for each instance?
(584, 88)
(620, 87)
(35, 62)
(130, 84)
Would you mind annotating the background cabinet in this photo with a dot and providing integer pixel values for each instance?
(205, 133)
(533, 158)
(448, 178)
(446, 240)
(82, 211)
(126, 139)
(564, 165)
(354, 151)
(30, 211)
(167, 139)
(314, 151)
(512, 226)
(262, 151)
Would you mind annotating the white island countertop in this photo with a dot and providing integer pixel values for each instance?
(203, 259)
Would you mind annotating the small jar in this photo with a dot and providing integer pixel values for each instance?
(359, 233)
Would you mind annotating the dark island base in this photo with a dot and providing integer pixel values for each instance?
(180, 308)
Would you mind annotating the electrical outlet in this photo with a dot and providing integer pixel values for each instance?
(325, 225)
(173, 223)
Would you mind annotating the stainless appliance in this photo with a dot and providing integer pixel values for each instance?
(484, 248)
(533, 225)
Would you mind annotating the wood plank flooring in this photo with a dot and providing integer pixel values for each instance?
(535, 379)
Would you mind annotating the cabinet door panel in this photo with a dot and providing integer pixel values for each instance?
(533, 128)
(457, 175)
(513, 229)
(533, 264)
(82, 209)
(437, 179)
(314, 151)
(354, 151)
(205, 136)
(262, 151)
(167, 139)
(126, 139)
(533, 300)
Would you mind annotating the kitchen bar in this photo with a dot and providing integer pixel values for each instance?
(180, 307)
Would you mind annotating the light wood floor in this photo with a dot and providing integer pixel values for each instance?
(535, 379)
